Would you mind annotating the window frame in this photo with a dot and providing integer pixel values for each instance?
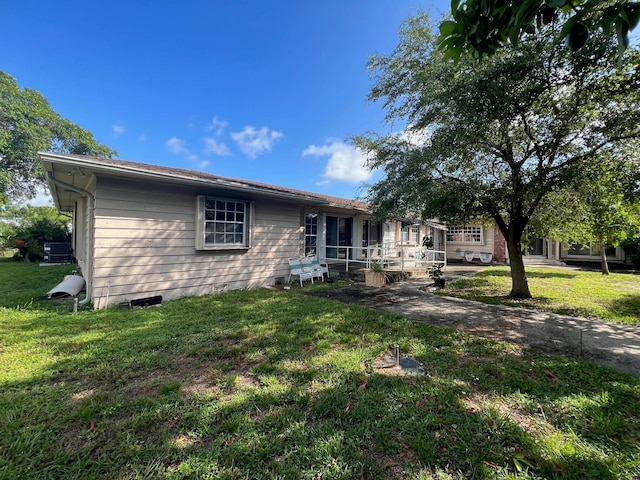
(202, 221)
(311, 223)
(587, 251)
(466, 231)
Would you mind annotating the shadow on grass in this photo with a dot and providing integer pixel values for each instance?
(530, 273)
(267, 384)
(629, 306)
(19, 280)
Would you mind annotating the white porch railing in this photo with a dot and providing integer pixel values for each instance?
(403, 256)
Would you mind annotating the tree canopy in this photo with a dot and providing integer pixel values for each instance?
(481, 27)
(28, 125)
(490, 139)
(601, 208)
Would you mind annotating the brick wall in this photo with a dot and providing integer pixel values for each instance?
(499, 246)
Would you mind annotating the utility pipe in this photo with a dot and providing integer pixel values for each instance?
(89, 246)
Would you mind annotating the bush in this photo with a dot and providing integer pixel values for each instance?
(632, 250)
(30, 237)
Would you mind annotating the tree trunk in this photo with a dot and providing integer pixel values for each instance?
(604, 266)
(519, 283)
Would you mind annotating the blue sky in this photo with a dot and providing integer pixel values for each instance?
(266, 91)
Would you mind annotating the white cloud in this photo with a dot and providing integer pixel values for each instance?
(346, 163)
(204, 164)
(217, 125)
(177, 145)
(254, 142)
(117, 130)
(212, 146)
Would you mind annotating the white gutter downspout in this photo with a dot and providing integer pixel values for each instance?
(89, 246)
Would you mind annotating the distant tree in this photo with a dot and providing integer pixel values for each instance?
(492, 138)
(28, 125)
(601, 209)
(28, 228)
(481, 27)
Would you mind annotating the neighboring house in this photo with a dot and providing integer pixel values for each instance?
(487, 239)
(141, 230)
(471, 241)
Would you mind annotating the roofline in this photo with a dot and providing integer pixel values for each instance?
(223, 182)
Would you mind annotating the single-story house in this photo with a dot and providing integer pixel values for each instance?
(470, 242)
(141, 230)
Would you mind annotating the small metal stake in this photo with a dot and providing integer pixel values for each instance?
(396, 355)
(75, 304)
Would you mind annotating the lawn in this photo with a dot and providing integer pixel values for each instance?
(266, 384)
(614, 297)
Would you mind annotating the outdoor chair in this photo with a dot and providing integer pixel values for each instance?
(317, 264)
(296, 268)
(311, 263)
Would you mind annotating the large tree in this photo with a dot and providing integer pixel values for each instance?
(491, 138)
(481, 27)
(28, 125)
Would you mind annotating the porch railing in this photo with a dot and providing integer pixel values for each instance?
(403, 256)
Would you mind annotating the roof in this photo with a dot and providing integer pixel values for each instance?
(182, 176)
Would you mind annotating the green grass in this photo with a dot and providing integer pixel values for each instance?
(26, 284)
(614, 297)
(280, 385)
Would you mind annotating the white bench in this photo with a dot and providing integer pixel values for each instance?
(484, 257)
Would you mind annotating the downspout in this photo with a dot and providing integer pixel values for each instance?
(89, 247)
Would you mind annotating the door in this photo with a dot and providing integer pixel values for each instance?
(339, 234)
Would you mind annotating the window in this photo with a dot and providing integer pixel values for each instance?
(466, 234)
(410, 234)
(222, 223)
(587, 250)
(310, 234)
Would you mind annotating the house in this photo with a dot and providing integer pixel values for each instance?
(142, 231)
(475, 242)
(469, 242)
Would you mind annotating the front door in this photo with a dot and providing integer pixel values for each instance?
(339, 234)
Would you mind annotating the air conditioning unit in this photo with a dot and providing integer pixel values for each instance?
(58, 252)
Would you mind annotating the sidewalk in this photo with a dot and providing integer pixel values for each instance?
(603, 343)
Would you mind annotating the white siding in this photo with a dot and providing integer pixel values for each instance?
(145, 244)
(455, 250)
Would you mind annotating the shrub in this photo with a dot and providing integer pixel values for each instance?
(29, 238)
(632, 249)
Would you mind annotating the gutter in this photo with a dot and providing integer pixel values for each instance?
(92, 202)
(234, 185)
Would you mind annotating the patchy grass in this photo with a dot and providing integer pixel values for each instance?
(614, 297)
(24, 284)
(279, 385)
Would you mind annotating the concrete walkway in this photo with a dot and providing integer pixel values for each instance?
(612, 345)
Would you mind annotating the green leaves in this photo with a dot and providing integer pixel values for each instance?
(481, 27)
(28, 125)
(578, 36)
(447, 27)
(493, 137)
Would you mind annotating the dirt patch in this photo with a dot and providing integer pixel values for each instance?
(360, 295)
